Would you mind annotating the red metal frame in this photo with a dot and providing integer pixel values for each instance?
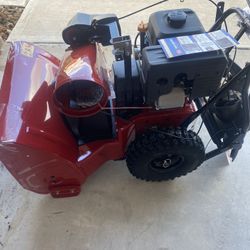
(36, 146)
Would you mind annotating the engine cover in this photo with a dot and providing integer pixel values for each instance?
(128, 91)
(200, 74)
(172, 23)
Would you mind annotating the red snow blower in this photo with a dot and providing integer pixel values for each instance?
(60, 120)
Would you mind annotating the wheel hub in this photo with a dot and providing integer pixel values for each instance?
(167, 163)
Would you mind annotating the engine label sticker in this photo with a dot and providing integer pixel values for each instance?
(27, 50)
(186, 45)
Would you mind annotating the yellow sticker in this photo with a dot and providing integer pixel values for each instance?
(27, 50)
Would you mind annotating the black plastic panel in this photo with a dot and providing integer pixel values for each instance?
(92, 128)
(159, 26)
(128, 91)
(83, 28)
(201, 73)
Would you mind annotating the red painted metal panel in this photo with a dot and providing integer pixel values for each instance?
(31, 125)
(79, 65)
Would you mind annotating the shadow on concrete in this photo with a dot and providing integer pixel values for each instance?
(115, 207)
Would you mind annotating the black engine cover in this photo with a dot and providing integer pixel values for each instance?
(172, 23)
(128, 90)
(201, 74)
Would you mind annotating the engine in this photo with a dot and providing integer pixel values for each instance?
(166, 82)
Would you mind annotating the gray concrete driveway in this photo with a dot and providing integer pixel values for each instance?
(43, 21)
(21, 3)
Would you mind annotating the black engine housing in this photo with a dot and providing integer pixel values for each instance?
(198, 74)
(172, 23)
(154, 75)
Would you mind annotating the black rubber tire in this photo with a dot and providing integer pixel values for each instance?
(145, 153)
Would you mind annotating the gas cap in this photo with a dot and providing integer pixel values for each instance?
(177, 18)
